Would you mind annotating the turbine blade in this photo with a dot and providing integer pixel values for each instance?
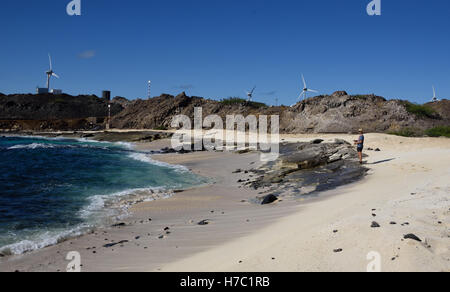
(304, 82)
(54, 74)
(434, 92)
(50, 61)
(301, 94)
(311, 90)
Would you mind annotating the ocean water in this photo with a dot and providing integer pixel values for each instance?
(52, 189)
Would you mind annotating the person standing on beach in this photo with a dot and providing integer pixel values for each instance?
(360, 145)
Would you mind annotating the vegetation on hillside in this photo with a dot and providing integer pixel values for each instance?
(421, 111)
(442, 131)
(241, 101)
(407, 132)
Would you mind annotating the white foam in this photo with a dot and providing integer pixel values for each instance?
(100, 208)
(31, 146)
(34, 146)
(42, 240)
(144, 157)
(100, 203)
(126, 145)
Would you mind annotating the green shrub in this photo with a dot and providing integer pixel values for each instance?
(233, 101)
(422, 111)
(237, 100)
(441, 131)
(406, 132)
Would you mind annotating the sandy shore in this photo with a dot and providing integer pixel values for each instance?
(408, 183)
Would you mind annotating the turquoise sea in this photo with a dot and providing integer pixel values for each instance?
(52, 189)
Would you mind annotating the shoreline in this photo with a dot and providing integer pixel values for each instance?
(115, 205)
(188, 245)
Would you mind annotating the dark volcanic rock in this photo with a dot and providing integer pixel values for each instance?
(309, 155)
(269, 199)
(317, 167)
(375, 225)
(412, 236)
(317, 141)
(48, 112)
(203, 222)
(115, 243)
(50, 108)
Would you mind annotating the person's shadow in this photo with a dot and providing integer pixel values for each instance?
(382, 161)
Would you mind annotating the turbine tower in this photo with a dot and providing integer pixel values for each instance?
(50, 73)
(306, 89)
(250, 93)
(434, 95)
(149, 89)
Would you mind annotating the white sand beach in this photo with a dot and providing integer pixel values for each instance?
(408, 185)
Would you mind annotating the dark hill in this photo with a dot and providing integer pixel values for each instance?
(53, 107)
(336, 113)
(28, 112)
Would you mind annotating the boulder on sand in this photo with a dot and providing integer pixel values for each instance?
(269, 199)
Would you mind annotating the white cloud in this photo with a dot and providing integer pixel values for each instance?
(87, 54)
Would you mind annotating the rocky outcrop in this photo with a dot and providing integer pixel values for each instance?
(310, 155)
(343, 113)
(339, 93)
(305, 168)
(54, 107)
(442, 108)
(338, 113)
(26, 112)
(122, 101)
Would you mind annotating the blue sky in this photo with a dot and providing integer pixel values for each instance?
(217, 48)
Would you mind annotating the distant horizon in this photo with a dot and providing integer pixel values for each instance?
(223, 49)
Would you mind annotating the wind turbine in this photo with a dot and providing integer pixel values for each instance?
(250, 93)
(434, 95)
(50, 73)
(305, 89)
(149, 87)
